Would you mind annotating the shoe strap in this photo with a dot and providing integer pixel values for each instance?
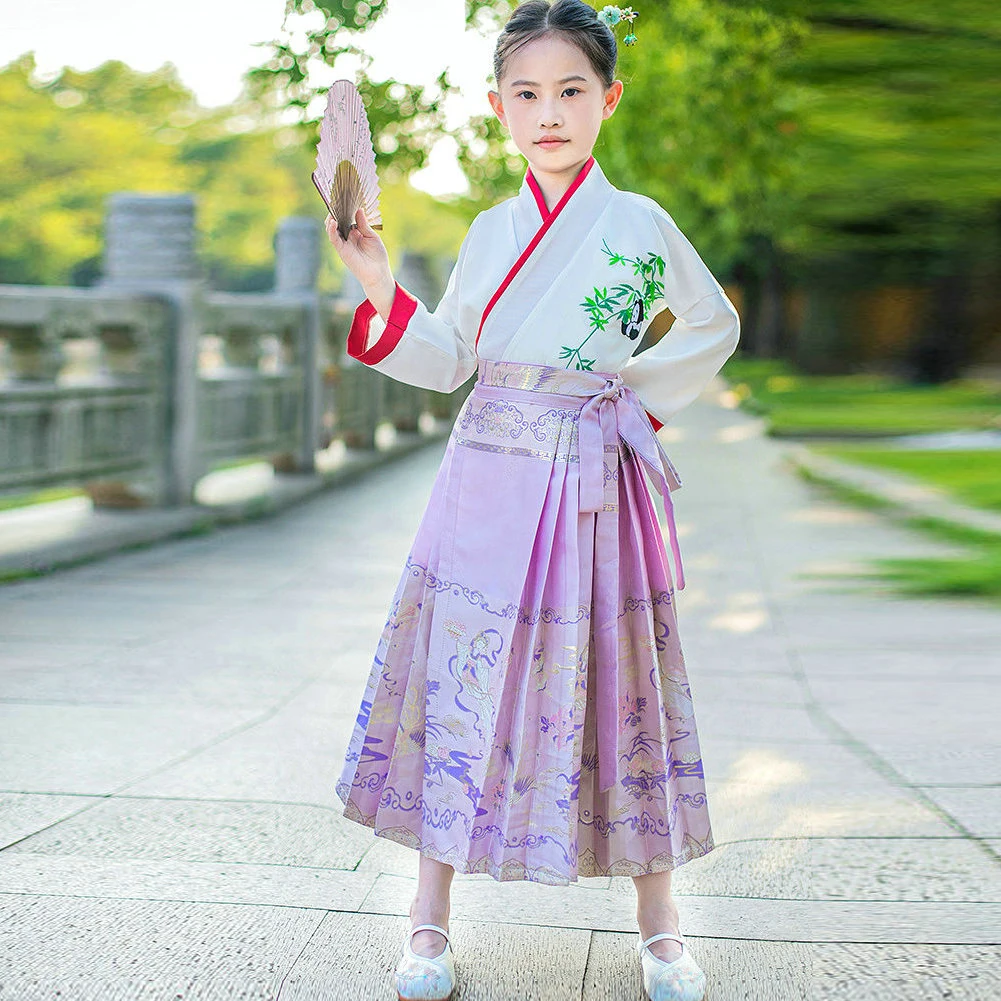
(437, 928)
(663, 936)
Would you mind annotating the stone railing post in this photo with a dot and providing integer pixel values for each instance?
(406, 404)
(297, 266)
(361, 391)
(150, 248)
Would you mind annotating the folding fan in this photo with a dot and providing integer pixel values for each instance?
(345, 160)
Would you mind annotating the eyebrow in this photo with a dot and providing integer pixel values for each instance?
(532, 83)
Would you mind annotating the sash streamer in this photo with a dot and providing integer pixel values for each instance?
(612, 412)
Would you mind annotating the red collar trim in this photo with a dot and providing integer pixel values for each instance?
(540, 199)
(547, 221)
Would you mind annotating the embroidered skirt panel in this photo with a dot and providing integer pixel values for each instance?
(496, 733)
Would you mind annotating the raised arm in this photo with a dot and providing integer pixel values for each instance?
(671, 374)
(393, 331)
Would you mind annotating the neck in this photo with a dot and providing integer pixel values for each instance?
(555, 184)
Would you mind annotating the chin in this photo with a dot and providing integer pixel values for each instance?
(552, 162)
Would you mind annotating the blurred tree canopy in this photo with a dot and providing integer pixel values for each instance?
(830, 126)
(69, 142)
(898, 109)
(824, 145)
(406, 119)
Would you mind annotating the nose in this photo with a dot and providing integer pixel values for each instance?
(550, 115)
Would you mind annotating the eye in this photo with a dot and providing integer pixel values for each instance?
(571, 91)
(527, 94)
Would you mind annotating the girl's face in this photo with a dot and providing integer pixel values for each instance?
(553, 103)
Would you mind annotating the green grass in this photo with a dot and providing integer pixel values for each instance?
(858, 405)
(975, 574)
(971, 476)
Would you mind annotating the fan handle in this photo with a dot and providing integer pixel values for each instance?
(325, 202)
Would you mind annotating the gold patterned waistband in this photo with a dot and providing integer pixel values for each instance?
(540, 378)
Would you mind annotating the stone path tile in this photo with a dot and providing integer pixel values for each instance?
(174, 879)
(281, 834)
(92, 949)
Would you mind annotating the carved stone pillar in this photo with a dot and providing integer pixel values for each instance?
(149, 249)
(298, 244)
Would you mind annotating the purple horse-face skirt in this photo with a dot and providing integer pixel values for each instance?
(528, 713)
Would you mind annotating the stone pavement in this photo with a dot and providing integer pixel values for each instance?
(172, 721)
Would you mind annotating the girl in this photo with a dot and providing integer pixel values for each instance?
(528, 714)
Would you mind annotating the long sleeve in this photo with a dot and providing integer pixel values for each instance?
(670, 375)
(415, 345)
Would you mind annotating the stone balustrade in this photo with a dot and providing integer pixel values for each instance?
(138, 387)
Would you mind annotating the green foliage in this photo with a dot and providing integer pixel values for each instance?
(702, 125)
(837, 127)
(69, 143)
(493, 166)
(975, 575)
(826, 128)
(897, 112)
(860, 405)
(418, 222)
(488, 15)
(972, 476)
(64, 147)
(405, 118)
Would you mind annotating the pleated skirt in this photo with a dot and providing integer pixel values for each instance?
(475, 743)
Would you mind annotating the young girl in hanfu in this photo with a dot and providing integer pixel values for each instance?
(528, 714)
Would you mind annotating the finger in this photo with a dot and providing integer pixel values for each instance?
(362, 223)
(335, 234)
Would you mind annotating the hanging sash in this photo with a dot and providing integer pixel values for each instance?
(611, 412)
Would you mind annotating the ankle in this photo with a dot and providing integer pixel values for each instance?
(430, 909)
(657, 908)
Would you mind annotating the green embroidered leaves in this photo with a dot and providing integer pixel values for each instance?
(650, 271)
(624, 302)
(582, 364)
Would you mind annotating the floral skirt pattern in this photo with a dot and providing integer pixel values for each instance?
(476, 741)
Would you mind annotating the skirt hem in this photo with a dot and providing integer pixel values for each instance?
(512, 869)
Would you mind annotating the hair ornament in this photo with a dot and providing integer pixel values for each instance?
(612, 16)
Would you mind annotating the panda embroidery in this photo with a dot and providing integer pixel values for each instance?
(632, 323)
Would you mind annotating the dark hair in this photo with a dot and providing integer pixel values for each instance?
(573, 20)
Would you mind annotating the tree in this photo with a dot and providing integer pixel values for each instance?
(61, 155)
(405, 118)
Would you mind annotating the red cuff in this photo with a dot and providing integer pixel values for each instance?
(657, 425)
(404, 305)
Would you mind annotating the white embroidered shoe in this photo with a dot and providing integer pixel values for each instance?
(680, 980)
(421, 978)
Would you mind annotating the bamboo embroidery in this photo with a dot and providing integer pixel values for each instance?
(625, 302)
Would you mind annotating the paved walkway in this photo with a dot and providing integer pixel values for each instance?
(172, 721)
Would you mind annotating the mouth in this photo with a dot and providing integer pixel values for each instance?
(551, 142)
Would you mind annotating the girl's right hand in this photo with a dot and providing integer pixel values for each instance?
(364, 254)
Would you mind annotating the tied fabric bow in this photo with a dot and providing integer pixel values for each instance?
(610, 414)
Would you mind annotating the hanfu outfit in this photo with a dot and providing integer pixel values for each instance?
(528, 713)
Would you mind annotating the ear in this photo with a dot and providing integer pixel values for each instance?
(498, 105)
(612, 97)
